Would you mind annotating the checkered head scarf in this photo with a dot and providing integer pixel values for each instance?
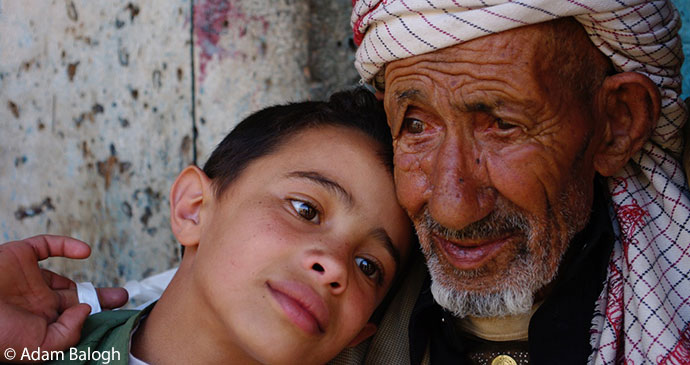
(643, 313)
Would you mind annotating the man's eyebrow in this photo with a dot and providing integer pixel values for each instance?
(482, 106)
(407, 95)
(325, 182)
(381, 235)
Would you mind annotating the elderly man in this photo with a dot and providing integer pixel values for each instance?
(536, 148)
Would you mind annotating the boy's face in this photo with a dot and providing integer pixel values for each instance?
(299, 251)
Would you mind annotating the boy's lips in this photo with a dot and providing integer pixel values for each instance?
(302, 305)
(470, 255)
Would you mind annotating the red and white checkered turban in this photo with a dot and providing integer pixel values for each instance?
(643, 314)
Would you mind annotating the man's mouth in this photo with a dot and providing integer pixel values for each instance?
(301, 304)
(466, 255)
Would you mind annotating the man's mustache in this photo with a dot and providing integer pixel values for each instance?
(499, 223)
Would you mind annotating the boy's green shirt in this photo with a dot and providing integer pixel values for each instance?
(107, 331)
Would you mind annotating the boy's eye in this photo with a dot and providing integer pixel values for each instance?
(370, 268)
(306, 210)
(412, 125)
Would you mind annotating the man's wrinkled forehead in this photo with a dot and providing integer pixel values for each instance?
(541, 50)
(481, 58)
(499, 48)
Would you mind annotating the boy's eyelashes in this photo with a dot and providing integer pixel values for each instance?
(371, 268)
(306, 210)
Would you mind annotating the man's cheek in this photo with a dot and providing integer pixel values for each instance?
(522, 181)
(411, 182)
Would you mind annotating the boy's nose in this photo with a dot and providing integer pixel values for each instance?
(329, 271)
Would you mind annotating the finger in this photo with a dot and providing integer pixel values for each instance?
(57, 282)
(51, 246)
(111, 298)
(67, 298)
(66, 331)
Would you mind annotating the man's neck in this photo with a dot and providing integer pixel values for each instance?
(508, 328)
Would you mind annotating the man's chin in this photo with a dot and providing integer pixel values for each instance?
(480, 293)
(462, 303)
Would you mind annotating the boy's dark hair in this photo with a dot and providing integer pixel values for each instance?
(264, 131)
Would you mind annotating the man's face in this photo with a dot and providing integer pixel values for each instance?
(494, 163)
(302, 247)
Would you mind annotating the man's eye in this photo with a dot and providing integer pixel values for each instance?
(306, 210)
(412, 125)
(503, 125)
(370, 268)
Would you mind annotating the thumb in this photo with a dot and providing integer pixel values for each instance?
(66, 331)
(111, 298)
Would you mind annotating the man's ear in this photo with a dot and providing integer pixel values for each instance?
(366, 332)
(187, 194)
(629, 104)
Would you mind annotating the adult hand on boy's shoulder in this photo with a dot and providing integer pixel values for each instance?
(39, 308)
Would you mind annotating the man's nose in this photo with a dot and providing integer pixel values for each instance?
(328, 270)
(461, 191)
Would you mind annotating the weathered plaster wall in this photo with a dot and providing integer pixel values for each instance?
(248, 54)
(251, 54)
(96, 121)
(102, 103)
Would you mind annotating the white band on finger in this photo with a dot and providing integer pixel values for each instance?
(87, 294)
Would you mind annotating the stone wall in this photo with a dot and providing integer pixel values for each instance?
(102, 103)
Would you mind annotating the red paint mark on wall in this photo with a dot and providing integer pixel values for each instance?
(213, 18)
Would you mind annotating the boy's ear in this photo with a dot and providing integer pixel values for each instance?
(187, 194)
(629, 104)
(366, 332)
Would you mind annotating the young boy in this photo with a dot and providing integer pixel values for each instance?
(292, 235)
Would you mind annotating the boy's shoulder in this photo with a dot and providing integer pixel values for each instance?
(105, 338)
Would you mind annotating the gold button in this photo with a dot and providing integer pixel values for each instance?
(503, 360)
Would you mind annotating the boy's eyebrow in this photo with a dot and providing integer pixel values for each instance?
(381, 235)
(327, 183)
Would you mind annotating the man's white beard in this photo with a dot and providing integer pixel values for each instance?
(511, 299)
(531, 269)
